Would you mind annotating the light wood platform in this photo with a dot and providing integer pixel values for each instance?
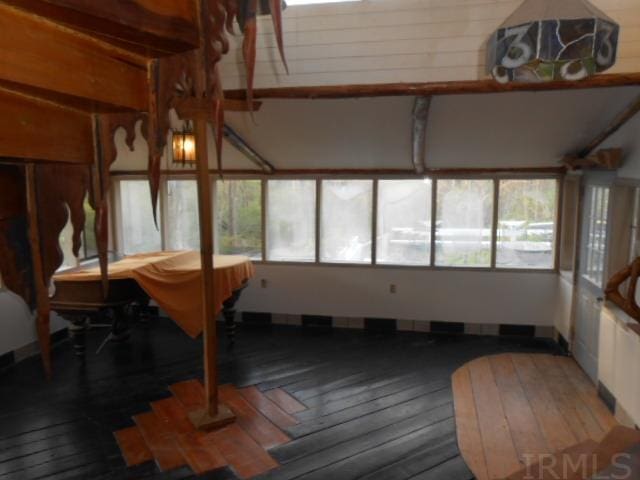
(166, 435)
(513, 408)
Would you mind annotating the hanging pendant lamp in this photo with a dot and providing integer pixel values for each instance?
(546, 40)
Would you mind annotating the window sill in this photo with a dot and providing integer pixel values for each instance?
(405, 267)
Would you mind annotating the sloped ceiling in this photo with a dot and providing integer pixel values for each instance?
(523, 129)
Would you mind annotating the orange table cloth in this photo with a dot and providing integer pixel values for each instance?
(174, 281)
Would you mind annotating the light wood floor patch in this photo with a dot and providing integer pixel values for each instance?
(166, 434)
(512, 408)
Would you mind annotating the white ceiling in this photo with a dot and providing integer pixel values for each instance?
(523, 129)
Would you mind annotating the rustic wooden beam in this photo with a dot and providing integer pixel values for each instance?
(231, 105)
(37, 130)
(42, 55)
(43, 308)
(621, 119)
(400, 172)
(420, 117)
(243, 147)
(606, 158)
(435, 88)
(149, 27)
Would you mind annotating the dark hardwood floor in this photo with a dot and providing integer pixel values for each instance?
(379, 404)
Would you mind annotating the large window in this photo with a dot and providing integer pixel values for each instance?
(527, 223)
(345, 227)
(139, 233)
(182, 223)
(363, 221)
(404, 222)
(291, 220)
(239, 217)
(464, 223)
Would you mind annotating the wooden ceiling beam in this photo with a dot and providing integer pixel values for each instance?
(36, 130)
(243, 147)
(434, 88)
(616, 124)
(41, 55)
(359, 172)
(149, 27)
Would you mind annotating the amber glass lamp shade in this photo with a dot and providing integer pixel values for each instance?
(184, 147)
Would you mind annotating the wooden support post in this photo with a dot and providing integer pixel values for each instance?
(214, 415)
(420, 116)
(42, 295)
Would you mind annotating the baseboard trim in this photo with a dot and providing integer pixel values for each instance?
(397, 324)
(12, 357)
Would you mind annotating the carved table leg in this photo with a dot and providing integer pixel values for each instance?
(229, 313)
(78, 333)
(120, 326)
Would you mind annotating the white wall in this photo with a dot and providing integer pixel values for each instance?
(564, 307)
(136, 159)
(619, 359)
(523, 129)
(628, 138)
(18, 325)
(388, 41)
(619, 346)
(429, 295)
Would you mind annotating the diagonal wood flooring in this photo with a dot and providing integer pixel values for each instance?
(511, 409)
(365, 405)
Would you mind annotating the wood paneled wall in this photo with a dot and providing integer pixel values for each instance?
(384, 41)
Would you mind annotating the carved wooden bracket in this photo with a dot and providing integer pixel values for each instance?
(37, 199)
(608, 159)
(627, 303)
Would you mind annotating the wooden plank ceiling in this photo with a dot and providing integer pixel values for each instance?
(63, 60)
(42, 130)
(150, 27)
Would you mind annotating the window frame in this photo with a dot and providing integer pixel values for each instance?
(214, 178)
(431, 260)
(557, 232)
(116, 210)
(435, 177)
(265, 216)
(434, 211)
(373, 213)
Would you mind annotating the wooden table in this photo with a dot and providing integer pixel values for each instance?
(79, 298)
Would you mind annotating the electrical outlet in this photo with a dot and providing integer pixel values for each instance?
(392, 288)
(263, 283)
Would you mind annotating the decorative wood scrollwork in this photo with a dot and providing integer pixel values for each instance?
(38, 199)
(105, 127)
(627, 303)
(177, 78)
(60, 193)
(15, 254)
